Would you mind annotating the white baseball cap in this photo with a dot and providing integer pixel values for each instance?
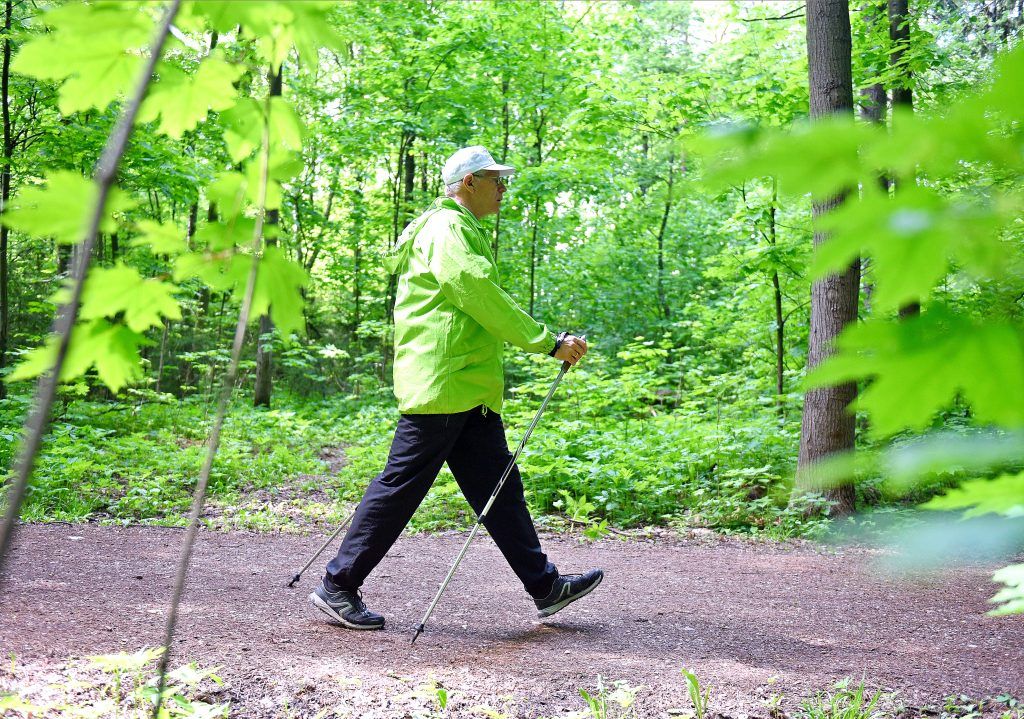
(469, 160)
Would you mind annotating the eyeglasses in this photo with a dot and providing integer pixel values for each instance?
(498, 180)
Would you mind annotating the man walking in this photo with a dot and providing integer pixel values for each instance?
(451, 322)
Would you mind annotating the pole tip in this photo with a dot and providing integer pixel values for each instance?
(292, 583)
(419, 630)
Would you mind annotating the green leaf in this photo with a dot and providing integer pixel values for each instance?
(182, 101)
(1012, 595)
(278, 288)
(285, 126)
(243, 128)
(228, 190)
(1002, 495)
(94, 46)
(312, 29)
(1007, 92)
(282, 166)
(210, 270)
(222, 15)
(920, 365)
(992, 367)
(120, 289)
(159, 237)
(277, 26)
(61, 208)
(118, 363)
(112, 348)
(219, 236)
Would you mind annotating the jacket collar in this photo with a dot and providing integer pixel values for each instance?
(450, 204)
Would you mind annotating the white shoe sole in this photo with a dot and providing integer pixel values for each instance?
(326, 608)
(569, 600)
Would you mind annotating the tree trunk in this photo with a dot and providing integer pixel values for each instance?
(660, 280)
(358, 219)
(193, 220)
(163, 353)
(533, 253)
(872, 109)
(827, 427)
(5, 190)
(264, 368)
(504, 157)
(902, 93)
(780, 320)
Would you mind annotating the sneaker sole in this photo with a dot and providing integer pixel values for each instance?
(324, 607)
(569, 600)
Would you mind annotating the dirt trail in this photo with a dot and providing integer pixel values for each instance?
(751, 620)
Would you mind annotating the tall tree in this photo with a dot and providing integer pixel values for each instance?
(827, 426)
(264, 367)
(902, 91)
(5, 187)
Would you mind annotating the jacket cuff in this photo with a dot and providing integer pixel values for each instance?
(558, 342)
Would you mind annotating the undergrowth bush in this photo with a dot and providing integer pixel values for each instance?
(624, 445)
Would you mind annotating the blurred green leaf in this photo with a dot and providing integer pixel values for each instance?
(61, 208)
(1012, 595)
(121, 289)
(92, 47)
(161, 238)
(181, 100)
(1002, 495)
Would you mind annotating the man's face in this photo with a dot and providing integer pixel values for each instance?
(489, 190)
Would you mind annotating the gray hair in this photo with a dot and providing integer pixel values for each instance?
(452, 187)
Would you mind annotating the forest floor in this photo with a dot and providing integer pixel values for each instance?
(753, 620)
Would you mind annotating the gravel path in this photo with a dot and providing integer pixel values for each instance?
(752, 621)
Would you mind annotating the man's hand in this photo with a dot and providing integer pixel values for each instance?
(571, 349)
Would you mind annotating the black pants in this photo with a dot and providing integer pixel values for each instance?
(473, 443)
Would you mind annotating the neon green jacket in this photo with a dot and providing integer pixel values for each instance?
(451, 317)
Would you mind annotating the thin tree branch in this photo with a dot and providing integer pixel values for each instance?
(791, 15)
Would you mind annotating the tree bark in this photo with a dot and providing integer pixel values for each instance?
(660, 280)
(5, 190)
(533, 253)
(358, 220)
(780, 320)
(873, 107)
(827, 427)
(504, 157)
(902, 93)
(264, 385)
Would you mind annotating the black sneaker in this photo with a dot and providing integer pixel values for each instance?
(346, 608)
(567, 589)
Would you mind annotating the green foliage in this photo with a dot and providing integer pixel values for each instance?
(60, 208)
(1002, 495)
(92, 48)
(610, 703)
(181, 101)
(845, 702)
(125, 687)
(960, 357)
(947, 236)
(111, 462)
(99, 45)
(698, 697)
(1010, 597)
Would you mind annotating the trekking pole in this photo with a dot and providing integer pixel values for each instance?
(323, 546)
(494, 495)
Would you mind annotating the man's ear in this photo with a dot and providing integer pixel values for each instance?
(468, 181)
